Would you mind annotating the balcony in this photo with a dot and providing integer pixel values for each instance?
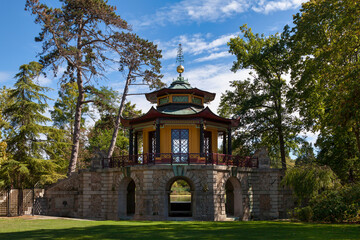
(180, 158)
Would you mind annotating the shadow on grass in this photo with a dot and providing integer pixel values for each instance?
(192, 230)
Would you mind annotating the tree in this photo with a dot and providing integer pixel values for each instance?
(325, 47)
(82, 34)
(65, 106)
(101, 134)
(139, 64)
(337, 149)
(308, 180)
(27, 139)
(261, 102)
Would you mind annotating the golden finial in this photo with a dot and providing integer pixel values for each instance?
(180, 69)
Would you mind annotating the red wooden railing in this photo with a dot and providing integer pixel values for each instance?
(180, 158)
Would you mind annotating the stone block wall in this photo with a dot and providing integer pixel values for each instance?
(102, 193)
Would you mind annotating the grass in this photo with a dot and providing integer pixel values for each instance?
(22, 228)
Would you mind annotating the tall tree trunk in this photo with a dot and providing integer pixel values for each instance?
(121, 108)
(77, 125)
(282, 148)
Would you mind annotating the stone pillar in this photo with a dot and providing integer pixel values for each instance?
(224, 142)
(229, 142)
(157, 136)
(201, 139)
(263, 157)
(131, 142)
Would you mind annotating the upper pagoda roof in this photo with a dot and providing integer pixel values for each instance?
(180, 85)
(154, 114)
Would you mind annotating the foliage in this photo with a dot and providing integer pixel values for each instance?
(87, 36)
(63, 113)
(325, 73)
(101, 134)
(180, 187)
(260, 102)
(337, 149)
(305, 154)
(308, 180)
(27, 140)
(336, 205)
(304, 214)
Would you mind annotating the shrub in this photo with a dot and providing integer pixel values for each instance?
(338, 205)
(304, 214)
(307, 180)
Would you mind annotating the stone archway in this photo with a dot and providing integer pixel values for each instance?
(126, 198)
(180, 208)
(234, 200)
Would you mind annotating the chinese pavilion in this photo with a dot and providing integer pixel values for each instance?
(177, 140)
(180, 129)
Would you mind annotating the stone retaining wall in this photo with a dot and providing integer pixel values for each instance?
(102, 193)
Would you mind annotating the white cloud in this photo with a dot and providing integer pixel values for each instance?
(43, 81)
(214, 78)
(213, 56)
(273, 6)
(4, 76)
(213, 10)
(196, 44)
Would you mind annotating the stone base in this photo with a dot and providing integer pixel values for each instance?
(252, 194)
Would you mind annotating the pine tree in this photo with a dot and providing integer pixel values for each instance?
(27, 141)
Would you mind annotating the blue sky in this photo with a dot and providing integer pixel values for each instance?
(202, 27)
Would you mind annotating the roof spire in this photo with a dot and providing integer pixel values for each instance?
(180, 59)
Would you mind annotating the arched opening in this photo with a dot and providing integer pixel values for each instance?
(233, 198)
(180, 198)
(130, 199)
(126, 201)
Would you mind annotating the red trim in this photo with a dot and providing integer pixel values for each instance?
(153, 114)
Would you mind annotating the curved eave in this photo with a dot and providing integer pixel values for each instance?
(153, 114)
(152, 97)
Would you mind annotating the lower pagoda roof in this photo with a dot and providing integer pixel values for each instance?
(154, 114)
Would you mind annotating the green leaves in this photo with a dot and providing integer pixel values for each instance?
(261, 101)
(307, 180)
(27, 140)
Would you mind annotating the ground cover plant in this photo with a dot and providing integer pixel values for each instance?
(29, 228)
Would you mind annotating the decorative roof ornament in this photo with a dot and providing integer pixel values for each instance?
(180, 59)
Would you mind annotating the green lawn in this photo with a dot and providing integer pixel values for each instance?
(20, 228)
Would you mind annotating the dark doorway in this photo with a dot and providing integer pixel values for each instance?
(229, 204)
(233, 198)
(130, 199)
(180, 199)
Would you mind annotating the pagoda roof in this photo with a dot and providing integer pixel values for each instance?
(154, 114)
(180, 85)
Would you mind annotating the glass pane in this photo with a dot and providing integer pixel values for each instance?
(180, 144)
(196, 100)
(163, 100)
(180, 99)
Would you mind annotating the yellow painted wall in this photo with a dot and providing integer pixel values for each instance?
(165, 138)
